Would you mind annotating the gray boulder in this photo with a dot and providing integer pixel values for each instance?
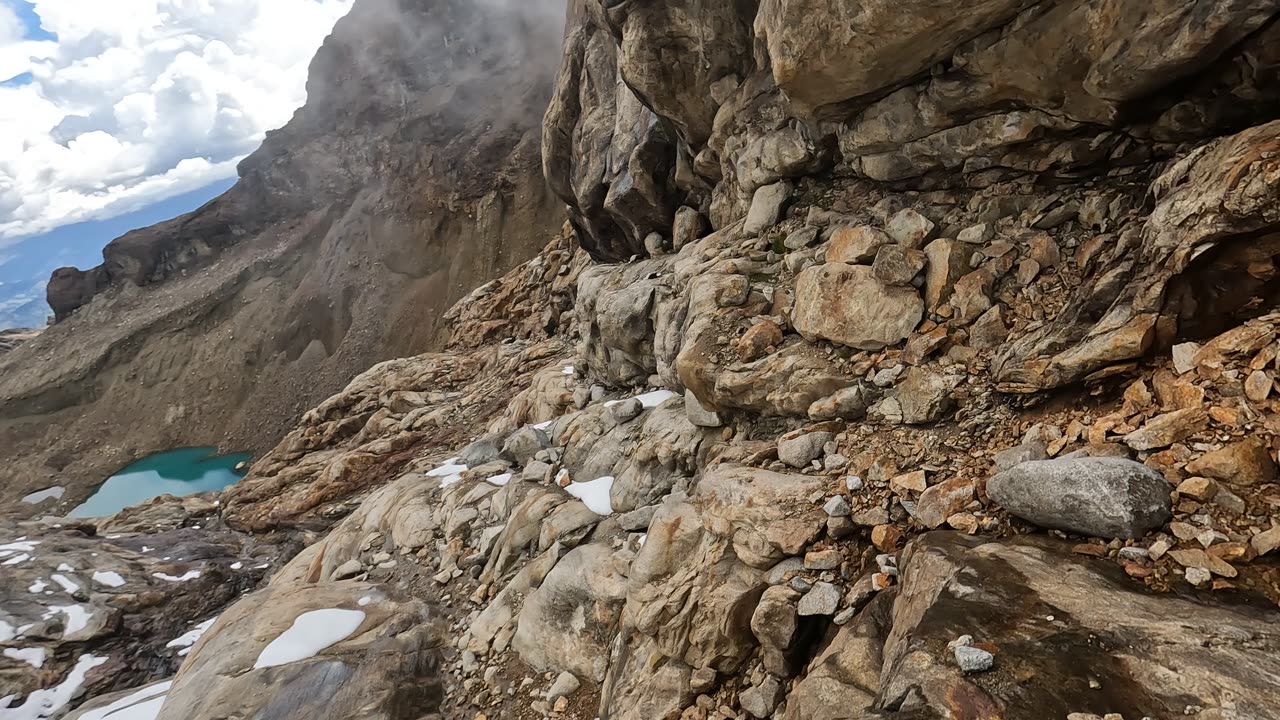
(798, 452)
(1097, 496)
(524, 443)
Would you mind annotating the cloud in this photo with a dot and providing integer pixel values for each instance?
(135, 101)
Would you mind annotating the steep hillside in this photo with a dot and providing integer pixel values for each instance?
(903, 360)
(410, 177)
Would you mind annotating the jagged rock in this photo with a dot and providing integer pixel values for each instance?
(822, 599)
(1243, 464)
(847, 404)
(774, 624)
(925, 396)
(766, 514)
(802, 238)
(766, 208)
(856, 245)
(943, 500)
(848, 305)
(799, 451)
(1103, 497)
(896, 265)
(760, 700)
(910, 229)
(948, 261)
(1166, 429)
(688, 227)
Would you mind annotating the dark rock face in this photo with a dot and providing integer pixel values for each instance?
(412, 175)
(1103, 497)
(657, 108)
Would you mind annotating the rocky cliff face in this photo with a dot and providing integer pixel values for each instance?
(901, 362)
(410, 177)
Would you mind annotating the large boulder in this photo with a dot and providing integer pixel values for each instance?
(1070, 635)
(1099, 496)
(326, 651)
(569, 622)
(849, 305)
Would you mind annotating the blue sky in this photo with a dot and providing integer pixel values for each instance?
(115, 114)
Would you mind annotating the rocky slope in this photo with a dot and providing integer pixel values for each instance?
(930, 373)
(410, 177)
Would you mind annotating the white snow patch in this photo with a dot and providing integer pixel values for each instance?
(68, 586)
(141, 705)
(642, 539)
(364, 601)
(38, 586)
(500, 480)
(147, 549)
(65, 568)
(77, 617)
(31, 656)
(7, 631)
(189, 638)
(189, 575)
(649, 399)
(237, 565)
(16, 559)
(594, 494)
(49, 703)
(109, 578)
(543, 425)
(451, 470)
(569, 370)
(310, 633)
(35, 498)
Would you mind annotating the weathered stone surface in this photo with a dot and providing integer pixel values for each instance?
(803, 449)
(847, 404)
(896, 265)
(924, 396)
(856, 245)
(943, 500)
(1166, 429)
(388, 659)
(567, 624)
(1150, 669)
(766, 207)
(1244, 463)
(948, 261)
(1103, 497)
(848, 305)
(766, 514)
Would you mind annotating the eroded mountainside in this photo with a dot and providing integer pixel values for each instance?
(901, 361)
(410, 177)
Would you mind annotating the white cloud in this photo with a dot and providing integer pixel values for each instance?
(139, 100)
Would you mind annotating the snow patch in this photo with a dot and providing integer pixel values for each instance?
(109, 578)
(54, 493)
(543, 425)
(189, 575)
(310, 633)
(594, 494)
(141, 705)
(49, 703)
(500, 480)
(38, 586)
(16, 559)
(569, 370)
(67, 584)
(451, 470)
(189, 638)
(649, 399)
(31, 656)
(237, 565)
(364, 601)
(63, 567)
(77, 617)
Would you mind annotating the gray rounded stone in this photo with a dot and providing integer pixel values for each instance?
(1096, 496)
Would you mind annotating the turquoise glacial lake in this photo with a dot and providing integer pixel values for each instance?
(177, 472)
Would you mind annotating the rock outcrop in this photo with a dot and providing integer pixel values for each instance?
(410, 177)
(764, 432)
